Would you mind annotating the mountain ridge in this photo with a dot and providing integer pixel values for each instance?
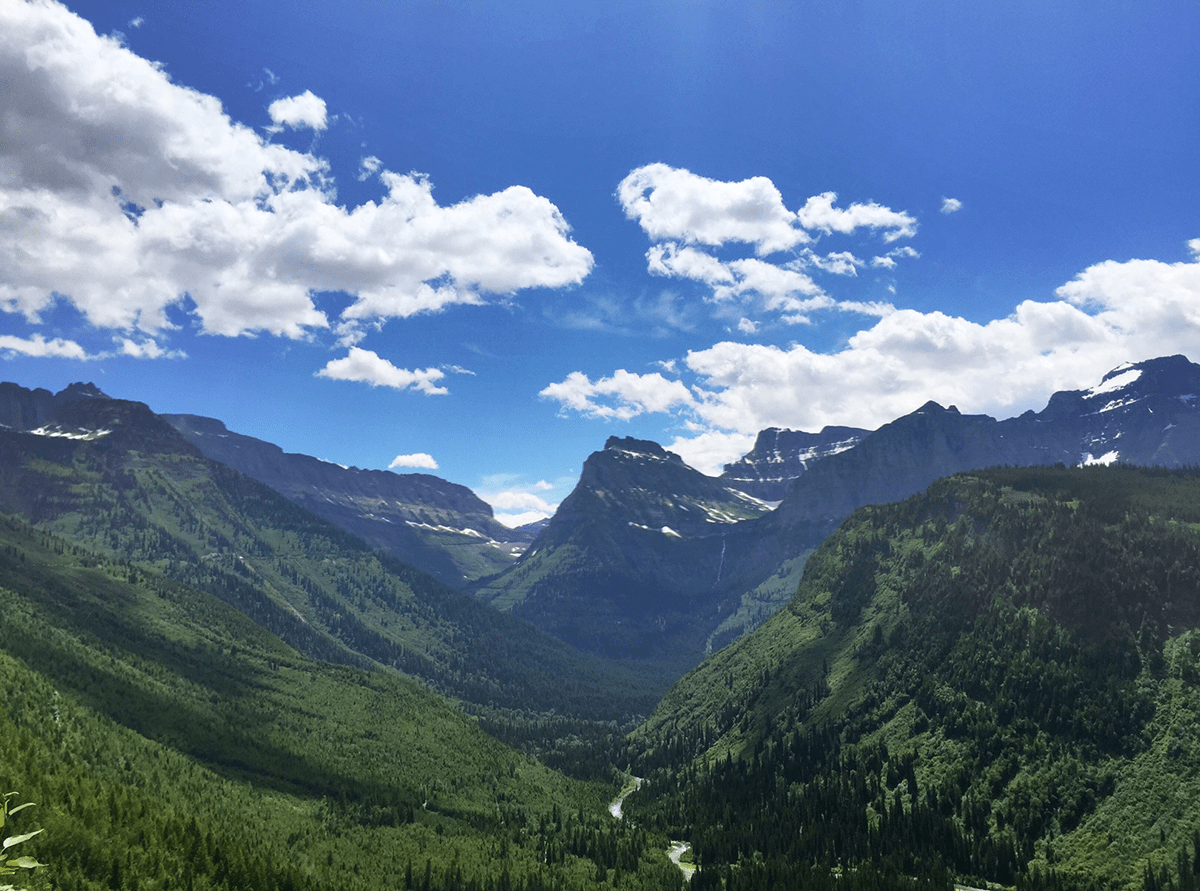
(440, 527)
(1142, 413)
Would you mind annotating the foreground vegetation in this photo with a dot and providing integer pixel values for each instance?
(997, 681)
(171, 742)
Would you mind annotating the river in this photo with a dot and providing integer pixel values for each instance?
(677, 849)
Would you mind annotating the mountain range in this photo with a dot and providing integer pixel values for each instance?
(714, 580)
(993, 680)
(651, 560)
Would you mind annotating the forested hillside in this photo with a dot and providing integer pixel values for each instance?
(170, 742)
(120, 479)
(997, 680)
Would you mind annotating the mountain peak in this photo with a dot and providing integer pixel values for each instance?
(934, 408)
(639, 447)
(80, 390)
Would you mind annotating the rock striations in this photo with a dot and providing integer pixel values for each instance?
(440, 527)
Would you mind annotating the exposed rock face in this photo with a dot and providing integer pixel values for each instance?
(780, 456)
(632, 563)
(22, 409)
(600, 577)
(440, 527)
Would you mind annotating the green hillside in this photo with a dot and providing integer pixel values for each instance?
(143, 495)
(996, 681)
(170, 742)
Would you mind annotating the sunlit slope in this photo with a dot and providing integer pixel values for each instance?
(170, 741)
(129, 484)
(999, 677)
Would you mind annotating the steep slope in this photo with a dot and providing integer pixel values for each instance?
(998, 679)
(632, 564)
(591, 578)
(168, 741)
(113, 475)
(439, 527)
(1144, 414)
(780, 456)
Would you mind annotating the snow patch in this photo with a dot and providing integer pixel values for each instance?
(1105, 459)
(59, 433)
(667, 530)
(1114, 382)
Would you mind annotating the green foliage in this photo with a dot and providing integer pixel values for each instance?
(174, 743)
(9, 864)
(151, 505)
(996, 680)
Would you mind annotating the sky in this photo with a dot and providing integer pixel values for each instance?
(477, 239)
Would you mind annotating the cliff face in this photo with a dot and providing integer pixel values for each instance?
(440, 527)
(632, 563)
(780, 456)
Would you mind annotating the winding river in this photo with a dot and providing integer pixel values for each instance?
(677, 849)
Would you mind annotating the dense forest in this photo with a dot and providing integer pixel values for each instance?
(170, 742)
(998, 681)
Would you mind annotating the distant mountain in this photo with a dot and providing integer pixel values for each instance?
(995, 682)
(632, 563)
(587, 579)
(779, 456)
(1144, 414)
(440, 527)
(114, 476)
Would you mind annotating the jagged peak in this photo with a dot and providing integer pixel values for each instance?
(80, 390)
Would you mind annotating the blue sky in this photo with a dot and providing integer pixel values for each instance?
(481, 238)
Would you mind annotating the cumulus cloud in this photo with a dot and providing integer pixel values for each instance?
(820, 214)
(419, 460)
(520, 505)
(951, 205)
(305, 110)
(678, 205)
(133, 197)
(686, 216)
(623, 396)
(365, 366)
(39, 346)
(1110, 313)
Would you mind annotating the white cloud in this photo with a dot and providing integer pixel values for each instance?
(623, 396)
(147, 349)
(686, 215)
(305, 110)
(419, 460)
(839, 263)
(365, 366)
(1110, 313)
(368, 167)
(677, 205)
(951, 205)
(129, 196)
(520, 505)
(40, 347)
(888, 260)
(820, 214)
(709, 451)
(746, 326)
